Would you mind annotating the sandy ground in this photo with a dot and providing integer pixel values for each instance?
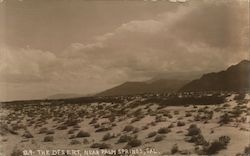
(20, 121)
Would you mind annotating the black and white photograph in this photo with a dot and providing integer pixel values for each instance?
(124, 77)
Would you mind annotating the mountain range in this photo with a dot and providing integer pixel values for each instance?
(154, 86)
(234, 78)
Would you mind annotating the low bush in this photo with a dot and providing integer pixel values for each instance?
(159, 138)
(128, 128)
(180, 123)
(27, 134)
(174, 149)
(198, 140)
(124, 138)
(50, 132)
(100, 145)
(164, 130)
(193, 130)
(247, 150)
(225, 119)
(217, 145)
(107, 136)
(16, 152)
(134, 142)
(152, 134)
(82, 134)
(48, 139)
(75, 142)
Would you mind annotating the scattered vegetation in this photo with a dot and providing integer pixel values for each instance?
(193, 130)
(107, 136)
(180, 123)
(217, 145)
(159, 138)
(16, 152)
(82, 134)
(128, 128)
(100, 145)
(164, 130)
(174, 149)
(48, 139)
(134, 142)
(152, 134)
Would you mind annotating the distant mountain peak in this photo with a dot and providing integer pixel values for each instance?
(234, 78)
(154, 86)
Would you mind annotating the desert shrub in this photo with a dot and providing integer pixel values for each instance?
(160, 119)
(27, 134)
(111, 118)
(180, 123)
(48, 139)
(225, 119)
(171, 125)
(159, 138)
(169, 116)
(107, 136)
(224, 140)
(164, 130)
(16, 152)
(50, 131)
(198, 140)
(62, 127)
(128, 128)
(134, 142)
(152, 123)
(152, 134)
(217, 145)
(75, 142)
(176, 112)
(226, 105)
(71, 122)
(144, 127)
(236, 112)
(240, 96)
(72, 136)
(197, 117)
(100, 146)
(138, 118)
(188, 114)
(193, 130)
(103, 128)
(93, 121)
(174, 149)
(85, 141)
(247, 150)
(76, 126)
(96, 125)
(43, 130)
(71, 131)
(124, 138)
(210, 115)
(135, 130)
(82, 134)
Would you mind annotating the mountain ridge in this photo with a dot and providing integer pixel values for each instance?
(133, 87)
(234, 78)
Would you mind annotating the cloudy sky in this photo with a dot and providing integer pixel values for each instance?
(74, 46)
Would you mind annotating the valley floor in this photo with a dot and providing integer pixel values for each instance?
(151, 128)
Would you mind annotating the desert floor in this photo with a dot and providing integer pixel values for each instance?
(149, 127)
